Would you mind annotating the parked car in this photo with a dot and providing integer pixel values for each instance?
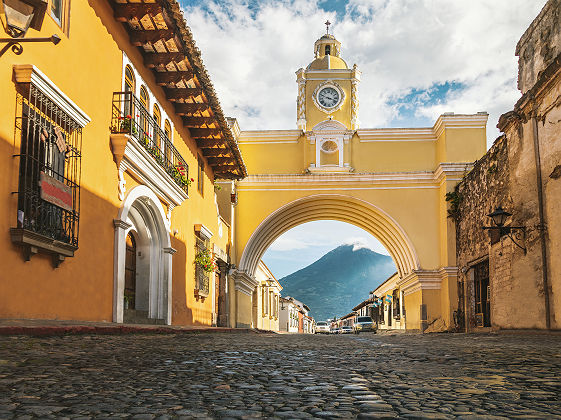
(335, 330)
(346, 330)
(322, 327)
(363, 324)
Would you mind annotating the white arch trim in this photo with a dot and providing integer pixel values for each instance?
(332, 207)
(162, 251)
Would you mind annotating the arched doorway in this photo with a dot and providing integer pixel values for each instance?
(143, 260)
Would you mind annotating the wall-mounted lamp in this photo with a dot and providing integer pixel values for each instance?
(20, 15)
(515, 233)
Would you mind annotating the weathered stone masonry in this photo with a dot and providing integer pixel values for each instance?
(521, 173)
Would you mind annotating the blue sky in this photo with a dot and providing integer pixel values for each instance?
(419, 59)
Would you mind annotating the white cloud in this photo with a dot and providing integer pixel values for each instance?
(252, 50)
(284, 243)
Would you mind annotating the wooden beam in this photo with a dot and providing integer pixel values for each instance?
(156, 59)
(204, 132)
(223, 168)
(212, 161)
(197, 122)
(209, 143)
(174, 94)
(165, 77)
(186, 109)
(139, 38)
(123, 12)
(216, 152)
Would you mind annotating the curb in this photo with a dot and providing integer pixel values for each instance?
(49, 331)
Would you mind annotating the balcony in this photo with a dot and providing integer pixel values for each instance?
(130, 118)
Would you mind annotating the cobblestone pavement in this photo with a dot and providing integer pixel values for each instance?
(281, 376)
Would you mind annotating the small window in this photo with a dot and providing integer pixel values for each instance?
(202, 276)
(158, 120)
(200, 175)
(327, 49)
(60, 12)
(143, 110)
(167, 140)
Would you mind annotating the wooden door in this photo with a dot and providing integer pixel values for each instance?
(130, 272)
(482, 294)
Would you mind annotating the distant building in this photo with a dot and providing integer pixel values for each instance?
(388, 308)
(294, 317)
(266, 300)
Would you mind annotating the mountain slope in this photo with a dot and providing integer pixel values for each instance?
(338, 281)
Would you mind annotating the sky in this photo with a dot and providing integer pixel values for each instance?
(419, 59)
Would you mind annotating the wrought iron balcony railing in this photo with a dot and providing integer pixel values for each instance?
(130, 116)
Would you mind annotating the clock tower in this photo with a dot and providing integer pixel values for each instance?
(327, 105)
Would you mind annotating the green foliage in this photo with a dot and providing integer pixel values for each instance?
(205, 260)
(454, 198)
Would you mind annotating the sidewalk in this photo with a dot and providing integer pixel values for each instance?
(40, 327)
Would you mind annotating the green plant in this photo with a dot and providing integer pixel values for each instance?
(454, 198)
(217, 187)
(205, 260)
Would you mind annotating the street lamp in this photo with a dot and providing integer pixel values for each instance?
(499, 218)
(20, 15)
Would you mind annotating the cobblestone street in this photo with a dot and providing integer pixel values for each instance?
(281, 376)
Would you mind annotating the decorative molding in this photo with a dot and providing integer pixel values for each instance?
(28, 73)
(122, 185)
(244, 282)
(169, 250)
(139, 162)
(334, 85)
(367, 135)
(121, 224)
(202, 230)
(270, 136)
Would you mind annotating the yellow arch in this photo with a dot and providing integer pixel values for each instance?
(331, 207)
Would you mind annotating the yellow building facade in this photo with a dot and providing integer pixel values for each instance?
(389, 181)
(266, 300)
(110, 145)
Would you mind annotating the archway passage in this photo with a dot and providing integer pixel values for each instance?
(331, 207)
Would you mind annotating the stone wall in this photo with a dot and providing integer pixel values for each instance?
(539, 45)
(525, 280)
(484, 188)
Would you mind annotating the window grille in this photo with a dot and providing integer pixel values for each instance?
(49, 168)
(202, 277)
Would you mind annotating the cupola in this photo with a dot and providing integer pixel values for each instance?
(327, 53)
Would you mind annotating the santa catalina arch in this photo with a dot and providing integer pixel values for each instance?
(391, 182)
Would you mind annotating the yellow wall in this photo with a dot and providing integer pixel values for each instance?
(87, 67)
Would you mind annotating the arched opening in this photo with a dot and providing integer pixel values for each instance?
(402, 258)
(142, 272)
(327, 49)
(331, 207)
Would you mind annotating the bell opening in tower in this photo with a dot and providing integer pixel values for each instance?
(328, 50)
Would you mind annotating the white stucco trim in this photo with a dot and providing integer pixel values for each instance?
(28, 73)
(244, 282)
(205, 232)
(147, 204)
(138, 161)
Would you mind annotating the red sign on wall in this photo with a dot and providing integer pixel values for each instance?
(55, 192)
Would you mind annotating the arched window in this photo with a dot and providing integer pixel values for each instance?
(327, 49)
(129, 87)
(143, 112)
(167, 131)
(157, 114)
(129, 79)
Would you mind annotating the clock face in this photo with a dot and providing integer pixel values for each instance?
(328, 97)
